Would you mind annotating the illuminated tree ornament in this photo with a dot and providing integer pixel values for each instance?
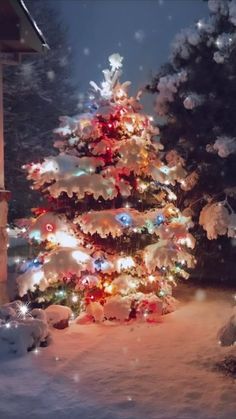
(124, 219)
(49, 227)
(160, 219)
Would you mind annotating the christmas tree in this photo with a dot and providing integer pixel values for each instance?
(196, 102)
(110, 240)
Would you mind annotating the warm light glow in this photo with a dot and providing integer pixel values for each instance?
(120, 93)
(151, 278)
(129, 127)
(109, 288)
(172, 196)
(79, 256)
(142, 186)
(65, 239)
(132, 284)
(74, 298)
(186, 241)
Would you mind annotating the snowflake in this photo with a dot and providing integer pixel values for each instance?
(139, 35)
(63, 61)
(51, 75)
(86, 51)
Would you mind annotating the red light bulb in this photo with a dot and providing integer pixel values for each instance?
(49, 227)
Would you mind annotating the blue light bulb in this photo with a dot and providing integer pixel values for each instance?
(160, 219)
(124, 219)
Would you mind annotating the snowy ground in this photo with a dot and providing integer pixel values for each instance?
(139, 371)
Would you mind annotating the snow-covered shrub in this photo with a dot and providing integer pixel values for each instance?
(96, 311)
(58, 316)
(117, 308)
(21, 330)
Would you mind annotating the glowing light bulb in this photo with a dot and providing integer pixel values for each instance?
(200, 24)
(218, 43)
(65, 239)
(142, 186)
(23, 309)
(151, 278)
(109, 289)
(74, 298)
(49, 227)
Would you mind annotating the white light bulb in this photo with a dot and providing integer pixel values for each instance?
(23, 309)
(74, 298)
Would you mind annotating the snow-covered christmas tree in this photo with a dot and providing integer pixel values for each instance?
(110, 242)
(196, 101)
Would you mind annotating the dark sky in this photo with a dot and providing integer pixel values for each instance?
(140, 30)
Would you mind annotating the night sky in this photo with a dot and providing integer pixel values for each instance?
(140, 30)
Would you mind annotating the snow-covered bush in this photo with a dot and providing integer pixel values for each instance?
(20, 329)
(58, 316)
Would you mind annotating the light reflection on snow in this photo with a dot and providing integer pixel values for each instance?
(200, 295)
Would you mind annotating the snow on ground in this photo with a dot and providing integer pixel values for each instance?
(139, 371)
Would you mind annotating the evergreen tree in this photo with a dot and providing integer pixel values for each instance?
(196, 102)
(111, 239)
(35, 92)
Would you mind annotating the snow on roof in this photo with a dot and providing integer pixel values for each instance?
(33, 23)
